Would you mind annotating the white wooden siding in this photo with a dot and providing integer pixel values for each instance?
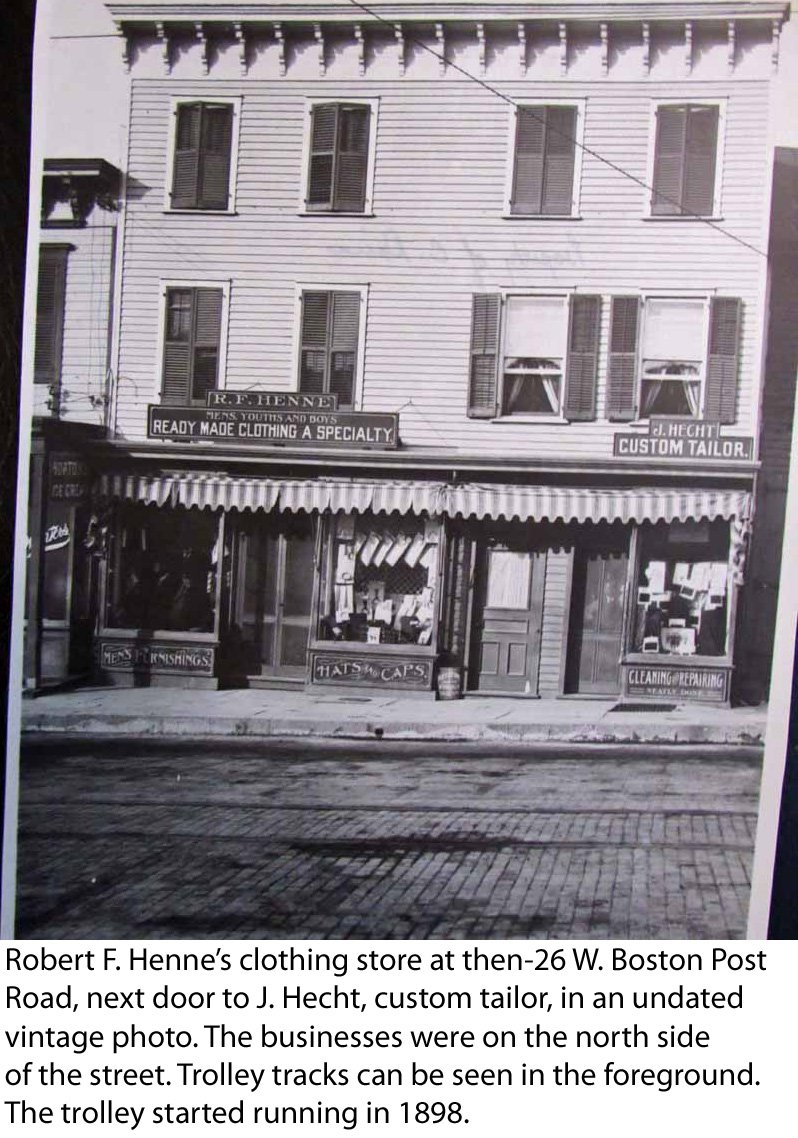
(437, 237)
(555, 620)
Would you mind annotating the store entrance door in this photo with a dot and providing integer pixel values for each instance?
(273, 597)
(595, 636)
(508, 635)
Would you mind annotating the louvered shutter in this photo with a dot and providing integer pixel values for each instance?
(176, 379)
(669, 156)
(343, 353)
(313, 352)
(701, 146)
(622, 365)
(582, 366)
(215, 146)
(323, 131)
(722, 364)
(50, 300)
(558, 176)
(207, 330)
(185, 176)
(530, 141)
(352, 159)
(482, 392)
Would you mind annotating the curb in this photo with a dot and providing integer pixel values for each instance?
(265, 728)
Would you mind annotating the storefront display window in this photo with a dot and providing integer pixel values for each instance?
(162, 570)
(683, 590)
(382, 581)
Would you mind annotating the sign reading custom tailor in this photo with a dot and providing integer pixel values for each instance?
(124, 656)
(260, 426)
(692, 439)
(371, 671)
(70, 478)
(709, 685)
(291, 400)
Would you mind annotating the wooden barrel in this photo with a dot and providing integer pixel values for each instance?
(448, 683)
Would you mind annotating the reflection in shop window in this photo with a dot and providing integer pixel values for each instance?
(381, 587)
(162, 572)
(683, 589)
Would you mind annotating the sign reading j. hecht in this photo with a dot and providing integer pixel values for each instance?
(262, 426)
(683, 438)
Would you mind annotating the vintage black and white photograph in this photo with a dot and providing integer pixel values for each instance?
(407, 420)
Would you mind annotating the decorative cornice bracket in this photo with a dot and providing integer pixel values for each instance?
(202, 40)
(279, 39)
(361, 50)
(481, 46)
(605, 48)
(646, 31)
(563, 33)
(522, 48)
(688, 47)
(241, 40)
(318, 35)
(163, 40)
(400, 46)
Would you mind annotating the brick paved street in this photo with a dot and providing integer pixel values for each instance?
(283, 840)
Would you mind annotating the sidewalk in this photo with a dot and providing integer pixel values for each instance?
(334, 714)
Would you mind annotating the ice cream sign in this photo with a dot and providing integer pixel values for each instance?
(695, 440)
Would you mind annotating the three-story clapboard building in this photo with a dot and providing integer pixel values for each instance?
(439, 339)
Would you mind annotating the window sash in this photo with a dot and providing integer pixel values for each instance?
(339, 157)
(202, 156)
(685, 160)
(329, 340)
(192, 340)
(544, 160)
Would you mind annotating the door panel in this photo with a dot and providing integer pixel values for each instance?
(508, 635)
(596, 627)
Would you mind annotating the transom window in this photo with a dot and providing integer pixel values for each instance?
(673, 354)
(533, 359)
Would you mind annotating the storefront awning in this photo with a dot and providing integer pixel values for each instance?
(525, 503)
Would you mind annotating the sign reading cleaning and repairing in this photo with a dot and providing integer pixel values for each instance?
(371, 671)
(279, 426)
(692, 439)
(709, 685)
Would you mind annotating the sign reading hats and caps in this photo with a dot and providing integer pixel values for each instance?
(693, 439)
(271, 400)
(70, 478)
(372, 671)
(278, 427)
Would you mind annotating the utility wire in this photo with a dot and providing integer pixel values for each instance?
(575, 142)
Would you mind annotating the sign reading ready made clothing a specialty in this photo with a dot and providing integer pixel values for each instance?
(692, 439)
(266, 424)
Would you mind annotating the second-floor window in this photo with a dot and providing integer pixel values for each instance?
(544, 161)
(338, 172)
(330, 329)
(202, 158)
(685, 161)
(192, 340)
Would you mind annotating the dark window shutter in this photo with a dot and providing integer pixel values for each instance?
(352, 159)
(191, 344)
(724, 338)
(530, 142)
(622, 365)
(185, 177)
(50, 301)
(669, 160)
(701, 146)
(558, 176)
(343, 346)
(482, 392)
(582, 367)
(323, 131)
(313, 348)
(216, 143)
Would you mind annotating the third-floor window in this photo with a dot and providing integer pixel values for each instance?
(685, 172)
(339, 167)
(203, 156)
(545, 167)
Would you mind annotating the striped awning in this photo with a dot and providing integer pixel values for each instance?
(470, 500)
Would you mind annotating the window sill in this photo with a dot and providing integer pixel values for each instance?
(550, 420)
(508, 216)
(335, 213)
(682, 217)
(202, 212)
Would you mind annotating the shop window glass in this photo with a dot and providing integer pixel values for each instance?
(162, 573)
(683, 590)
(674, 346)
(534, 354)
(382, 581)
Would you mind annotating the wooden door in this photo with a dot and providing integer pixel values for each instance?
(274, 596)
(508, 633)
(596, 628)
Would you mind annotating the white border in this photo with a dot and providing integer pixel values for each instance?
(721, 103)
(173, 282)
(509, 171)
(318, 100)
(176, 101)
(296, 344)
